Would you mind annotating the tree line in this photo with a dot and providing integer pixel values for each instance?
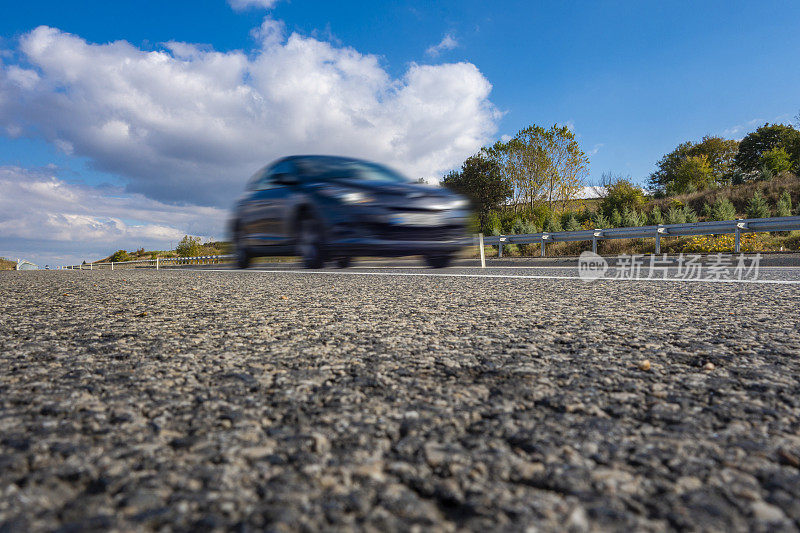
(716, 162)
(537, 168)
(532, 181)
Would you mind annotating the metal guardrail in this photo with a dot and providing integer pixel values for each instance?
(737, 227)
(157, 263)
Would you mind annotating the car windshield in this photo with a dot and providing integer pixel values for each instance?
(322, 168)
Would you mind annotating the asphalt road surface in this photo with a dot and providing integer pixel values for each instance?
(397, 399)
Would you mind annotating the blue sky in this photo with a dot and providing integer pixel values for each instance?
(633, 79)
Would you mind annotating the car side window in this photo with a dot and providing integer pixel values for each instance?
(259, 179)
(284, 167)
(265, 178)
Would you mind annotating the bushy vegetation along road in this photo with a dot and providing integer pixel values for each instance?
(235, 400)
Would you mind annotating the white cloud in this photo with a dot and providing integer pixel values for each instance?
(48, 220)
(738, 131)
(190, 124)
(595, 148)
(240, 5)
(448, 42)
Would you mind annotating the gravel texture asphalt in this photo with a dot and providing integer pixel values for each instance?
(184, 400)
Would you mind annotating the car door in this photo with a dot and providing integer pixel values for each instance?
(272, 201)
(249, 209)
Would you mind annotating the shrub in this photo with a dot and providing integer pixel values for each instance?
(492, 224)
(689, 214)
(656, 217)
(677, 204)
(616, 219)
(777, 160)
(757, 207)
(601, 221)
(784, 206)
(552, 224)
(631, 218)
(723, 210)
(571, 223)
(120, 255)
(189, 246)
(676, 216)
(522, 226)
(621, 194)
(765, 173)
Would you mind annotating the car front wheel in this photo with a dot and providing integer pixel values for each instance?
(242, 255)
(438, 261)
(310, 243)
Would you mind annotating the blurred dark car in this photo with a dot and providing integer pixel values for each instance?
(334, 208)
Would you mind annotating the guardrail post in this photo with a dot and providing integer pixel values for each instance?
(91, 266)
(500, 246)
(740, 225)
(112, 265)
(480, 245)
(658, 239)
(156, 263)
(543, 241)
(595, 234)
(738, 239)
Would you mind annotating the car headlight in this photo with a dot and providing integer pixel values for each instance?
(348, 196)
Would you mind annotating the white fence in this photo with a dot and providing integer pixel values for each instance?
(157, 263)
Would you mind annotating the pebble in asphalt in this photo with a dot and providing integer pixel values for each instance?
(215, 400)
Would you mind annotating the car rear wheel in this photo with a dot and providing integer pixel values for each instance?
(438, 261)
(242, 255)
(310, 243)
(343, 262)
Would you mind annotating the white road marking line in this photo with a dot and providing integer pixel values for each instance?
(495, 276)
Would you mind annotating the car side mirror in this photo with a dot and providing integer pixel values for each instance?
(286, 179)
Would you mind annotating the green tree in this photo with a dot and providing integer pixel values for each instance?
(676, 216)
(552, 223)
(523, 226)
(189, 246)
(717, 168)
(757, 207)
(784, 206)
(620, 194)
(693, 174)
(493, 226)
(656, 217)
(723, 210)
(601, 221)
(570, 222)
(541, 165)
(777, 160)
(631, 218)
(765, 139)
(616, 218)
(481, 181)
(120, 255)
(689, 214)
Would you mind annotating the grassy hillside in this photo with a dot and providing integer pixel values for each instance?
(5, 264)
(739, 195)
(209, 248)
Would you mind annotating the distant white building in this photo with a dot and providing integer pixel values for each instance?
(591, 192)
